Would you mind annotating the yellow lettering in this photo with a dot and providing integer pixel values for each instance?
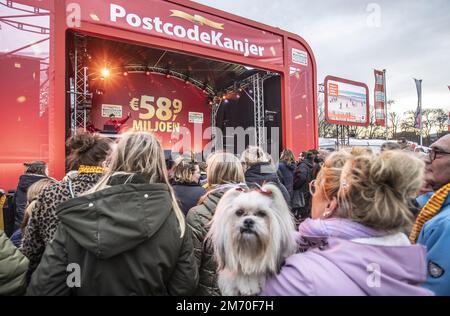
(137, 126)
(162, 127)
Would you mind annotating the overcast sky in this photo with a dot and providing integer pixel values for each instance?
(412, 40)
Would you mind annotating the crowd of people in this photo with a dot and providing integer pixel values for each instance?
(125, 221)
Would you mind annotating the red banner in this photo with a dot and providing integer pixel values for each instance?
(178, 23)
(380, 106)
(449, 121)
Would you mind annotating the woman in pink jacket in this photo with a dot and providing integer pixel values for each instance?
(355, 243)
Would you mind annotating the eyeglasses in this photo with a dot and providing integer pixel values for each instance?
(312, 187)
(434, 152)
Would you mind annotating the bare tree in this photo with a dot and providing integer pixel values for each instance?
(407, 123)
(325, 129)
(441, 121)
(373, 130)
(428, 122)
(394, 123)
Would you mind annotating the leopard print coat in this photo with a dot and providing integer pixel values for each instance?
(43, 221)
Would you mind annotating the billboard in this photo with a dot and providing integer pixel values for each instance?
(156, 104)
(346, 102)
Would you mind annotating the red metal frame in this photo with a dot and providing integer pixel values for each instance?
(57, 108)
(354, 83)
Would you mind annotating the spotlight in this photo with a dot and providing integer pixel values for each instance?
(147, 72)
(105, 72)
(125, 73)
(224, 97)
(205, 87)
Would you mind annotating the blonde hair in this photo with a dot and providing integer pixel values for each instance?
(32, 197)
(359, 151)
(328, 179)
(140, 153)
(184, 169)
(254, 155)
(376, 191)
(224, 168)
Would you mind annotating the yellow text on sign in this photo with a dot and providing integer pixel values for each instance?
(164, 109)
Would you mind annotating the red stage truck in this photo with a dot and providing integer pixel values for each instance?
(170, 64)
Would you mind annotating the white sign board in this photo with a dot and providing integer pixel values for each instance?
(299, 57)
(196, 117)
(108, 109)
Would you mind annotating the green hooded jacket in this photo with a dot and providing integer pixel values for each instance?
(198, 219)
(13, 268)
(123, 240)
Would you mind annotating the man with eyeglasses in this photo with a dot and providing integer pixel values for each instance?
(433, 222)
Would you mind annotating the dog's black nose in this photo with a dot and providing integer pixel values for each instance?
(248, 223)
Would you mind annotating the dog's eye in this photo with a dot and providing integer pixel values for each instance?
(261, 214)
(239, 212)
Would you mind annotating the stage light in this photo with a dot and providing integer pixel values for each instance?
(105, 73)
(224, 97)
(125, 73)
(147, 73)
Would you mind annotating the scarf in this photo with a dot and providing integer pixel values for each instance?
(2, 202)
(90, 169)
(431, 209)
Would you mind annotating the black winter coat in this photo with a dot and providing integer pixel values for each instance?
(188, 195)
(262, 173)
(287, 172)
(20, 197)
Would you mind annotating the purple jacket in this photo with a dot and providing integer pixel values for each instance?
(342, 257)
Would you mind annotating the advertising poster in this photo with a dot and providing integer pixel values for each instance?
(346, 102)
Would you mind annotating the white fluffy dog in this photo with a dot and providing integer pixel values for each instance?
(252, 233)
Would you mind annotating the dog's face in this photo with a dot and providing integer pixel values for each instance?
(252, 232)
(250, 223)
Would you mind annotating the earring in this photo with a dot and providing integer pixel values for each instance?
(327, 214)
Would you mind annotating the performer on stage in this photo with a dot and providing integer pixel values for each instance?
(117, 123)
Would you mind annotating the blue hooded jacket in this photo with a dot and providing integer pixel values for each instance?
(435, 235)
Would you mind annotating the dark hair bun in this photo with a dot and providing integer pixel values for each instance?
(81, 142)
